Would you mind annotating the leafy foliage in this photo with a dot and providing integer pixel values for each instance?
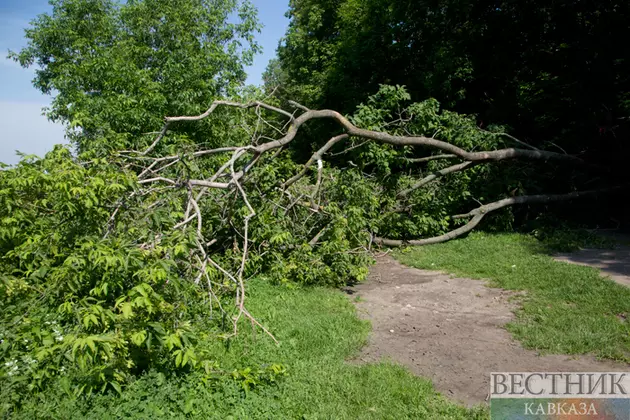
(425, 211)
(117, 69)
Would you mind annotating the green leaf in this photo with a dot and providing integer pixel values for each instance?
(90, 342)
(116, 386)
(138, 337)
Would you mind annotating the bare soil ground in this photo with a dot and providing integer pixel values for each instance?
(449, 330)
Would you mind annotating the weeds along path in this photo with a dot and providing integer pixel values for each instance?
(450, 330)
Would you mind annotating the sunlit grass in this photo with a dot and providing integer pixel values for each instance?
(567, 309)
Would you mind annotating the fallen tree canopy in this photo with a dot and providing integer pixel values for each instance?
(234, 176)
(113, 265)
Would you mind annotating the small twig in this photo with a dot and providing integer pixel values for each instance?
(157, 140)
(318, 183)
(112, 218)
(252, 319)
(185, 222)
(558, 147)
(215, 104)
(298, 106)
(313, 241)
(317, 156)
(430, 158)
(522, 143)
(356, 146)
(427, 179)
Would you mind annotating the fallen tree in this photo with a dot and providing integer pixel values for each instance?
(115, 264)
(234, 177)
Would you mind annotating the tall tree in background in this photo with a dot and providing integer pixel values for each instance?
(117, 69)
(553, 72)
(550, 73)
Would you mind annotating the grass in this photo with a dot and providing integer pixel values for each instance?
(564, 239)
(567, 309)
(318, 331)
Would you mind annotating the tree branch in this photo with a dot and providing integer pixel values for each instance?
(316, 156)
(352, 130)
(534, 199)
(436, 239)
(479, 213)
(215, 104)
(430, 158)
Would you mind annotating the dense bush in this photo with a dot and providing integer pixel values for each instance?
(319, 331)
(72, 300)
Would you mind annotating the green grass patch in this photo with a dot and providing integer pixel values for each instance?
(567, 309)
(318, 331)
(562, 239)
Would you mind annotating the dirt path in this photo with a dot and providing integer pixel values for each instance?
(449, 330)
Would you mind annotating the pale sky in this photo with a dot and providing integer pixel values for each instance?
(22, 125)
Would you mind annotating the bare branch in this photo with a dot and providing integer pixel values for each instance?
(215, 104)
(252, 213)
(535, 199)
(435, 240)
(221, 269)
(430, 158)
(252, 319)
(316, 156)
(315, 238)
(194, 204)
(352, 130)
(479, 213)
(158, 179)
(112, 218)
(208, 184)
(356, 146)
(185, 222)
(318, 183)
(147, 170)
(427, 179)
(522, 143)
(298, 106)
(157, 139)
(558, 147)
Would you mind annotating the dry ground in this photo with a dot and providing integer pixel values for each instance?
(449, 330)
